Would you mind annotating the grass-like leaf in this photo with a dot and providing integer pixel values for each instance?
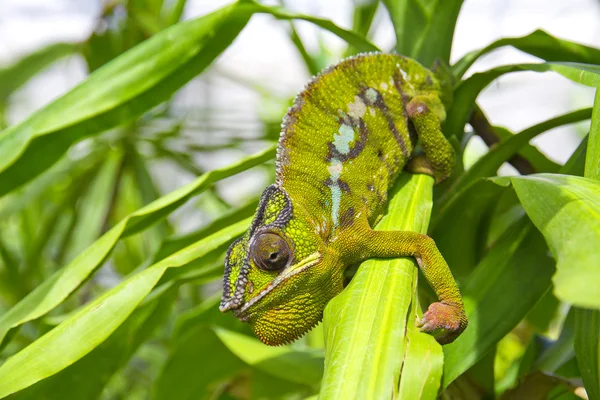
(116, 93)
(58, 287)
(539, 44)
(424, 28)
(467, 91)
(62, 346)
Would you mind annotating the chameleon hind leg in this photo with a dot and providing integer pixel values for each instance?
(445, 319)
(439, 154)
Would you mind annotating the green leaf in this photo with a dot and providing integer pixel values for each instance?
(587, 322)
(62, 346)
(489, 163)
(58, 287)
(186, 376)
(13, 76)
(504, 286)
(131, 84)
(467, 91)
(305, 367)
(351, 37)
(536, 158)
(539, 44)
(424, 28)
(565, 209)
(587, 349)
(116, 93)
(86, 378)
(592, 162)
(365, 325)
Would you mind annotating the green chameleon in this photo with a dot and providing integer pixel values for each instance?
(344, 142)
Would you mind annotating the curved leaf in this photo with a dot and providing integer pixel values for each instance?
(424, 28)
(58, 287)
(365, 326)
(566, 209)
(467, 91)
(116, 93)
(504, 286)
(62, 346)
(539, 44)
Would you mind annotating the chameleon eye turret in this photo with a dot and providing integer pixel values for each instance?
(270, 252)
(344, 142)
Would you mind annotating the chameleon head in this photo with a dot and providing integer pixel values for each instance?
(276, 276)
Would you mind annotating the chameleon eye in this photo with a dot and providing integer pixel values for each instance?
(270, 252)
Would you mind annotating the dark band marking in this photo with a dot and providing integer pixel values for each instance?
(380, 104)
(347, 218)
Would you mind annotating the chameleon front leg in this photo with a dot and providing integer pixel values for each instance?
(424, 113)
(447, 315)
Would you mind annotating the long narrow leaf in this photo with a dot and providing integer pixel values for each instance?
(509, 280)
(116, 93)
(467, 91)
(62, 346)
(58, 287)
(424, 28)
(587, 322)
(539, 44)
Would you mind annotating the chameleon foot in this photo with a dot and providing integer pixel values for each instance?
(445, 321)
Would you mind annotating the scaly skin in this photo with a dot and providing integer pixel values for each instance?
(344, 142)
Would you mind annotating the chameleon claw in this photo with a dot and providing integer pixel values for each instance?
(444, 321)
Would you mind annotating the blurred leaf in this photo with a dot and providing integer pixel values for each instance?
(365, 325)
(489, 163)
(454, 220)
(508, 281)
(12, 77)
(197, 365)
(54, 290)
(61, 347)
(86, 378)
(173, 244)
(351, 37)
(564, 208)
(424, 28)
(561, 350)
(116, 93)
(362, 18)
(537, 386)
(305, 367)
(536, 158)
(94, 205)
(467, 91)
(539, 44)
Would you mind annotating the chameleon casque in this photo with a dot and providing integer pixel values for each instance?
(344, 142)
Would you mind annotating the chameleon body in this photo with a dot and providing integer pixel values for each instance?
(344, 142)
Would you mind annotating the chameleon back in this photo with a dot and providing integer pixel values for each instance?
(347, 137)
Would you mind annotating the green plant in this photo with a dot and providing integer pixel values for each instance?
(158, 332)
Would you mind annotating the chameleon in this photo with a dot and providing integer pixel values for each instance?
(347, 137)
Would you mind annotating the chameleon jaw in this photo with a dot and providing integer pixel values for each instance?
(307, 262)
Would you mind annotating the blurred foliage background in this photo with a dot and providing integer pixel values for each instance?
(119, 199)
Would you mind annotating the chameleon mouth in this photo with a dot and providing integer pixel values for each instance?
(242, 312)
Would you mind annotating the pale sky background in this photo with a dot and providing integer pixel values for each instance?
(264, 55)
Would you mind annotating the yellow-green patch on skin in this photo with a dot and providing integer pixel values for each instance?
(344, 142)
